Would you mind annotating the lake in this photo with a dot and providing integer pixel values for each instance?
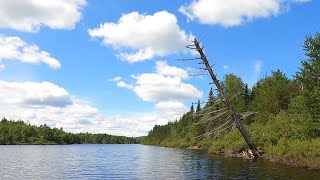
(134, 162)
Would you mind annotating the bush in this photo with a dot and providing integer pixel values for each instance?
(295, 152)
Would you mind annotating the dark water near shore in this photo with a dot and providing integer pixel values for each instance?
(134, 162)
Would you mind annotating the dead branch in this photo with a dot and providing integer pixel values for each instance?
(227, 103)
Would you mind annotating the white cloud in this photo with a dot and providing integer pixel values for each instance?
(164, 85)
(164, 69)
(136, 124)
(124, 85)
(155, 87)
(257, 67)
(47, 103)
(233, 12)
(34, 94)
(42, 103)
(166, 89)
(171, 106)
(115, 79)
(14, 48)
(139, 37)
(30, 15)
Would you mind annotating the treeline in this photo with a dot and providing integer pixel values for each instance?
(285, 124)
(19, 132)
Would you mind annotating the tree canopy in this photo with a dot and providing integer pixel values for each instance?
(286, 124)
(19, 132)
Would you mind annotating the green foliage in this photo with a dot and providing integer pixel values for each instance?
(247, 96)
(19, 132)
(296, 152)
(211, 99)
(198, 107)
(191, 109)
(271, 95)
(233, 85)
(231, 142)
(282, 125)
(286, 125)
(309, 75)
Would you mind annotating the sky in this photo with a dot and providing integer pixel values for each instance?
(111, 66)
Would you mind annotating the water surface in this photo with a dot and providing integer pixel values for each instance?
(133, 162)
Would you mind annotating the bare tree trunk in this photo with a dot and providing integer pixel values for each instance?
(227, 103)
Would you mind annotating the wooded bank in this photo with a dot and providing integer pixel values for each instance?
(286, 124)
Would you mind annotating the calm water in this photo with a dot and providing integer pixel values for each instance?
(133, 162)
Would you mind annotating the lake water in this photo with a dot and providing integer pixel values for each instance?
(134, 162)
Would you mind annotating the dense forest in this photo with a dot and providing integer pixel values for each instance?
(284, 121)
(19, 132)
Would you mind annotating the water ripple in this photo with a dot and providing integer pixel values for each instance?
(133, 162)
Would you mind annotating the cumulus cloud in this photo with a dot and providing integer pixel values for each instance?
(166, 89)
(164, 69)
(232, 13)
(14, 48)
(136, 124)
(30, 15)
(171, 107)
(140, 37)
(155, 87)
(165, 85)
(34, 94)
(46, 103)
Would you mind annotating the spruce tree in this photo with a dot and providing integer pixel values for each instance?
(210, 101)
(192, 109)
(198, 107)
(246, 96)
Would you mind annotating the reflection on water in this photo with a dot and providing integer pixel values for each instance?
(133, 162)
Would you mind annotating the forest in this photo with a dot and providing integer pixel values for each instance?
(281, 114)
(20, 132)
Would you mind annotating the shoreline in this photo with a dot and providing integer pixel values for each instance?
(245, 155)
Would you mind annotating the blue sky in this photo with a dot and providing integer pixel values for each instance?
(109, 66)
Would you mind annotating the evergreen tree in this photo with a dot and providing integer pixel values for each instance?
(246, 96)
(198, 107)
(309, 75)
(211, 98)
(271, 95)
(192, 109)
(19, 132)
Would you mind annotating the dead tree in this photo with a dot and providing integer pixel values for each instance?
(234, 115)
